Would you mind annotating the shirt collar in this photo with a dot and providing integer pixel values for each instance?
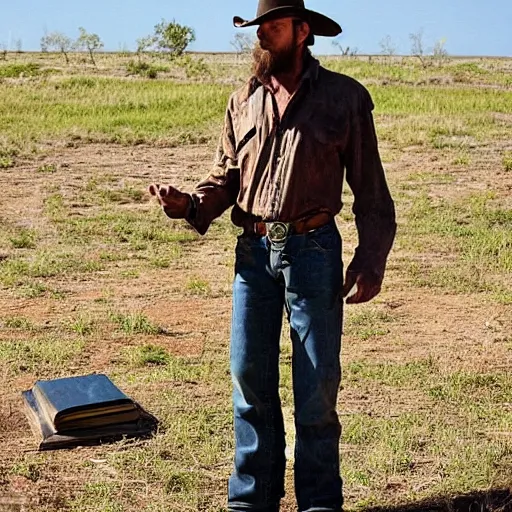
(312, 68)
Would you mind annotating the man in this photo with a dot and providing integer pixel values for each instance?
(289, 135)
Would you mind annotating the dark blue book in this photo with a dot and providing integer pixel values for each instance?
(80, 410)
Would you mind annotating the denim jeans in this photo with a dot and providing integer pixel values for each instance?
(303, 276)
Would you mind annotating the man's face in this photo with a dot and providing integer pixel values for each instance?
(276, 35)
(276, 50)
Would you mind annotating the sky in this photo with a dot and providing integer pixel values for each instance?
(469, 27)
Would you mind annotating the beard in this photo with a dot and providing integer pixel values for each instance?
(267, 64)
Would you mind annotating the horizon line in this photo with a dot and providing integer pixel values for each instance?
(199, 52)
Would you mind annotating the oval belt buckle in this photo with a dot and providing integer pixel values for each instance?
(277, 231)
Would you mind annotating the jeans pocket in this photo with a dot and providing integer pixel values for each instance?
(318, 267)
(326, 238)
(247, 251)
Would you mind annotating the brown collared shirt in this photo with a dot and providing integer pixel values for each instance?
(290, 168)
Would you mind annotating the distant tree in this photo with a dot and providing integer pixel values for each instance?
(345, 51)
(124, 50)
(57, 41)
(3, 51)
(439, 52)
(387, 46)
(144, 44)
(43, 42)
(243, 43)
(418, 47)
(44, 47)
(18, 44)
(173, 38)
(89, 42)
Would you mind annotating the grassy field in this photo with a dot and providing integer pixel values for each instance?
(94, 278)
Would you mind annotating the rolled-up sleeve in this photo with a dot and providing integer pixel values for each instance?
(373, 207)
(219, 190)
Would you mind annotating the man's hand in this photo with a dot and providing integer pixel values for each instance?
(366, 288)
(176, 204)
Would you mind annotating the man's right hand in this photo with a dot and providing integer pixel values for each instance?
(176, 204)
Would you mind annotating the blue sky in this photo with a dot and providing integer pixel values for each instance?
(470, 27)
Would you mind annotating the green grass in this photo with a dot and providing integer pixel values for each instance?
(470, 389)
(23, 239)
(41, 354)
(110, 109)
(106, 189)
(410, 375)
(136, 228)
(45, 264)
(431, 178)
(366, 323)
(19, 322)
(98, 496)
(198, 286)
(82, 325)
(412, 428)
(47, 168)
(30, 468)
(407, 71)
(145, 69)
(148, 355)
(6, 162)
(33, 288)
(444, 436)
(123, 195)
(135, 323)
(166, 259)
(503, 296)
(17, 70)
(419, 447)
(460, 389)
(507, 161)
(462, 159)
(152, 110)
(462, 103)
(168, 368)
(195, 437)
(477, 231)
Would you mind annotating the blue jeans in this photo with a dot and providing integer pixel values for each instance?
(303, 275)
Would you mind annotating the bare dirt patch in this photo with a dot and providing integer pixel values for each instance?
(460, 332)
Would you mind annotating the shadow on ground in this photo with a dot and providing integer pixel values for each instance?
(495, 500)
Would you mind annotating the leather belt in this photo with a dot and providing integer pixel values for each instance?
(279, 231)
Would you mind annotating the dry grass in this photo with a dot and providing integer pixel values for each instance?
(93, 277)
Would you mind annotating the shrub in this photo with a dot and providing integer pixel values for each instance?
(173, 38)
(507, 161)
(194, 68)
(142, 68)
(19, 70)
(6, 162)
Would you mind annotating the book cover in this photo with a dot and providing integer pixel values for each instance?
(83, 410)
(68, 396)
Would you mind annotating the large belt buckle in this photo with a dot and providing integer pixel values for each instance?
(277, 232)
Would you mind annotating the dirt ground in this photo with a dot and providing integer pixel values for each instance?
(461, 331)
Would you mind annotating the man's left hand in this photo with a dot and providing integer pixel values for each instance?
(366, 287)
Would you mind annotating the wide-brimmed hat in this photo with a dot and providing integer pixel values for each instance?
(319, 24)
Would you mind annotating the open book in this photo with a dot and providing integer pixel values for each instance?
(81, 410)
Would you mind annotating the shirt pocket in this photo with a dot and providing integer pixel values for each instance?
(326, 128)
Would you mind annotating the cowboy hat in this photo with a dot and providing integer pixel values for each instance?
(319, 24)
